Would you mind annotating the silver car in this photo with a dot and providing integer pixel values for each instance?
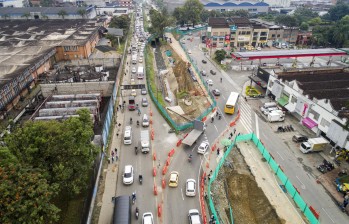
(144, 102)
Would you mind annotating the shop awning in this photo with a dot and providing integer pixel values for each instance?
(283, 100)
(309, 123)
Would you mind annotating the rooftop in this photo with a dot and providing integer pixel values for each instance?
(22, 42)
(329, 83)
(220, 22)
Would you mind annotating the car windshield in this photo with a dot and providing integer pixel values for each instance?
(128, 175)
(127, 138)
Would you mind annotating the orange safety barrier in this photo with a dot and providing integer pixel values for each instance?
(152, 136)
(151, 113)
(164, 170)
(185, 135)
(213, 147)
(172, 151)
(163, 182)
(207, 165)
(203, 119)
(155, 190)
(179, 143)
(168, 160)
(316, 214)
(154, 156)
(154, 172)
(151, 121)
(159, 210)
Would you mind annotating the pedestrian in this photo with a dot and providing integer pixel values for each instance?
(345, 202)
(218, 152)
(116, 151)
(112, 159)
(211, 172)
(212, 119)
(209, 177)
(108, 160)
(205, 179)
(126, 63)
(117, 109)
(125, 73)
(231, 134)
(234, 131)
(239, 134)
(120, 106)
(119, 124)
(112, 153)
(205, 195)
(217, 114)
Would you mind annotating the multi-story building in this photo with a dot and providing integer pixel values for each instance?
(317, 97)
(31, 47)
(218, 31)
(14, 3)
(251, 7)
(48, 13)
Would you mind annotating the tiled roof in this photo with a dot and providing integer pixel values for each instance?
(218, 22)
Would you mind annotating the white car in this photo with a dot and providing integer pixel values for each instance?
(134, 70)
(148, 218)
(258, 48)
(209, 82)
(190, 188)
(128, 175)
(202, 149)
(140, 60)
(194, 216)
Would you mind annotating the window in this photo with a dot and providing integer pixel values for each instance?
(273, 35)
(278, 35)
(315, 114)
(255, 34)
(264, 33)
(215, 33)
(263, 38)
(293, 99)
(70, 48)
(222, 34)
(221, 39)
(324, 123)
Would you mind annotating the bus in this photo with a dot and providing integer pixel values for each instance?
(231, 103)
(140, 72)
(122, 210)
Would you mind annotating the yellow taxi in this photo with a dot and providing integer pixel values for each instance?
(173, 179)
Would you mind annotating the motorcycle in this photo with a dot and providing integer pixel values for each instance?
(219, 116)
(325, 167)
(140, 179)
(136, 150)
(130, 120)
(137, 213)
(212, 72)
(133, 198)
(137, 123)
(189, 158)
(171, 131)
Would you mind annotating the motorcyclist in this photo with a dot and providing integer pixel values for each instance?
(133, 196)
(219, 116)
(221, 79)
(137, 212)
(136, 149)
(212, 119)
(130, 120)
(137, 123)
(140, 177)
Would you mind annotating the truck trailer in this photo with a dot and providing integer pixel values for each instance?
(199, 128)
(145, 141)
(276, 115)
(313, 145)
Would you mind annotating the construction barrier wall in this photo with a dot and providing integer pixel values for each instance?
(291, 190)
(163, 111)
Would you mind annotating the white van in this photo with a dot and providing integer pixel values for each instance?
(128, 135)
(265, 106)
(140, 72)
(134, 59)
(145, 121)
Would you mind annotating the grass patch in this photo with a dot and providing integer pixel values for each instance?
(182, 95)
(71, 209)
(222, 66)
(145, 22)
(149, 61)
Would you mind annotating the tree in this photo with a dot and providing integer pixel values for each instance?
(220, 55)
(179, 15)
(241, 13)
(286, 20)
(62, 13)
(26, 196)
(62, 150)
(44, 16)
(304, 26)
(315, 21)
(340, 32)
(82, 12)
(205, 14)
(338, 11)
(193, 10)
(26, 15)
(121, 22)
(6, 16)
(159, 20)
(304, 14)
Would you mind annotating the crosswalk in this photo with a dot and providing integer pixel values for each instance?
(245, 115)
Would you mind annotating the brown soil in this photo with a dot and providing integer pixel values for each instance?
(185, 84)
(248, 201)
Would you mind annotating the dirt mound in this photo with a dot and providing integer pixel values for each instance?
(248, 201)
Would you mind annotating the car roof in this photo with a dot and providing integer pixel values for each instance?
(191, 183)
(128, 168)
(173, 175)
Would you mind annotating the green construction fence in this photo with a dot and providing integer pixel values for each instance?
(291, 190)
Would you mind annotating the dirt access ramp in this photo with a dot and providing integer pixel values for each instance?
(266, 182)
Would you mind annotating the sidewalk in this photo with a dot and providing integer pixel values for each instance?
(107, 205)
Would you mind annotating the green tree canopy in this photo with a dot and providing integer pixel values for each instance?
(26, 196)
(304, 26)
(193, 10)
(338, 11)
(159, 20)
(304, 14)
(315, 21)
(61, 150)
(82, 12)
(220, 55)
(286, 20)
(62, 13)
(121, 22)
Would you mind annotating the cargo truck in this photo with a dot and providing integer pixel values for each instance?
(145, 141)
(276, 115)
(313, 145)
(199, 128)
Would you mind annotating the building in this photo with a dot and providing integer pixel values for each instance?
(29, 48)
(318, 97)
(218, 29)
(251, 7)
(30, 13)
(236, 32)
(112, 10)
(14, 3)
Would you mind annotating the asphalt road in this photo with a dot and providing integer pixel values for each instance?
(313, 193)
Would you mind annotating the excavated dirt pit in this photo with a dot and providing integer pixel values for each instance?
(248, 201)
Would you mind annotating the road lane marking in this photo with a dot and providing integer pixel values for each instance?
(182, 194)
(280, 155)
(328, 215)
(302, 185)
(257, 125)
(215, 127)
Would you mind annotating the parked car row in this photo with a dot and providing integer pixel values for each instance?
(273, 112)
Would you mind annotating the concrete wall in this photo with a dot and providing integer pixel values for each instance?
(105, 88)
(106, 62)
